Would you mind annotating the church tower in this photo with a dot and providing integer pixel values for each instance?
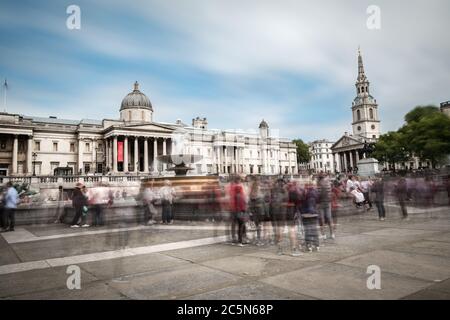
(366, 123)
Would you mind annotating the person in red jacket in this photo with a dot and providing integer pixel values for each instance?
(238, 209)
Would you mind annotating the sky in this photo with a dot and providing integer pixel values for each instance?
(292, 63)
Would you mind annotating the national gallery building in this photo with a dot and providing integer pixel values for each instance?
(130, 145)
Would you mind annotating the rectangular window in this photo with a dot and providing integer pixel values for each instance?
(72, 147)
(87, 147)
(87, 167)
(55, 146)
(37, 146)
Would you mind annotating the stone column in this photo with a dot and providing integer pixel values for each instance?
(136, 155)
(125, 154)
(114, 155)
(30, 155)
(238, 160)
(80, 156)
(218, 159)
(106, 153)
(94, 156)
(351, 159)
(289, 163)
(146, 155)
(225, 155)
(155, 155)
(110, 154)
(164, 153)
(14, 154)
(345, 161)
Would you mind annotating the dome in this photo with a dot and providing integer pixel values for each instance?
(136, 99)
(263, 124)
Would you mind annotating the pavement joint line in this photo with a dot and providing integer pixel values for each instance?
(107, 255)
(22, 235)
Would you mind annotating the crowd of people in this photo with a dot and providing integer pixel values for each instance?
(303, 211)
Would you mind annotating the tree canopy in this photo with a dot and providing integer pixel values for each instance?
(426, 134)
(303, 154)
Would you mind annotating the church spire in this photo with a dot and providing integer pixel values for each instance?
(361, 74)
(362, 84)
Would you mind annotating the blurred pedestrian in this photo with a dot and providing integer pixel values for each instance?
(378, 189)
(324, 187)
(167, 194)
(79, 203)
(238, 208)
(401, 193)
(10, 200)
(310, 218)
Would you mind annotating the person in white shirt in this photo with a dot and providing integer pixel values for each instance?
(358, 196)
(349, 184)
(10, 199)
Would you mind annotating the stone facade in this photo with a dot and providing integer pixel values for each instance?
(130, 145)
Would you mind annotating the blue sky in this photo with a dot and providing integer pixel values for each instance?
(293, 63)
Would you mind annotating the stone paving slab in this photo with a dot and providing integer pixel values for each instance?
(443, 237)
(37, 280)
(441, 286)
(47, 249)
(204, 253)
(428, 294)
(175, 283)
(436, 248)
(334, 281)
(420, 266)
(108, 269)
(398, 232)
(248, 266)
(90, 291)
(7, 254)
(250, 291)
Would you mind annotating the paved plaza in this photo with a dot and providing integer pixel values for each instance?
(190, 260)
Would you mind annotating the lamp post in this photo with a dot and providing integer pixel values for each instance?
(34, 155)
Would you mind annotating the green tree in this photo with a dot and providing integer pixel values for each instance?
(303, 154)
(427, 134)
(391, 148)
(419, 112)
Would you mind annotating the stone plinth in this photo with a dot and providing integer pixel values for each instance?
(368, 167)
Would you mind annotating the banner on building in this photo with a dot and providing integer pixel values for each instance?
(119, 151)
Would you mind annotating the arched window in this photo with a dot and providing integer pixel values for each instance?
(362, 89)
(371, 113)
(358, 115)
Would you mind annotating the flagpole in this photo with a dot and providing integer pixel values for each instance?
(5, 88)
